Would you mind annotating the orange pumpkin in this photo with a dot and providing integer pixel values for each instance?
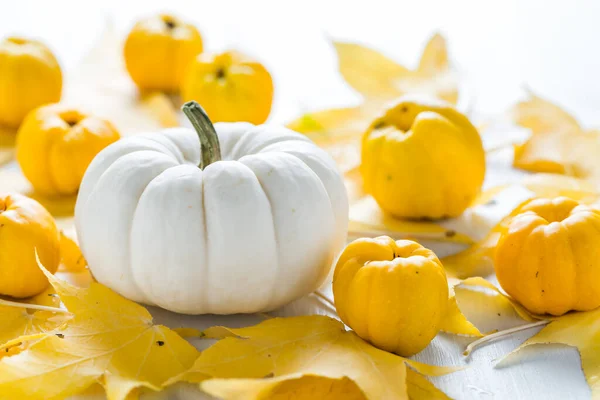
(548, 256)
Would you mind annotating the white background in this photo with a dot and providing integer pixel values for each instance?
(499, 47)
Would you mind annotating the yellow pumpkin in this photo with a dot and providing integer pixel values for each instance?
(26, 226)
(55, 145)
(158, 50)
(548, 256)
(422, 159)
(392, 294)
(230, 87)
(29, 77)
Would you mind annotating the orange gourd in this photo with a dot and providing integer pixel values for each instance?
(393, 294)
(26, 227)
(548, 256)
(55, 145)
(157, 52)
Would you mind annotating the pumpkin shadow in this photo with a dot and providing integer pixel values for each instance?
(59, 207)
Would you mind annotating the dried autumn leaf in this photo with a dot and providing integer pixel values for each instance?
(435, 56)
(541, 116)
(499, 298)
(72, 259)
(376, 76)
(47, 298)
(562, 153)
(29, 318)
(455, 321)
(368, 218)
(109, 338)
(253, 362)
(557, 143)
(368, 71)
(488, 195)
(299, 386)
(310, 386)
(580, 330)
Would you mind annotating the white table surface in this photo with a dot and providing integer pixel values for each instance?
(550, 46)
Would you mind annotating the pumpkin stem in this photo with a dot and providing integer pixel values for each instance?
(210, 149)
(501, 334)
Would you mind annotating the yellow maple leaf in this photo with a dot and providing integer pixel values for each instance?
(312, 352)
(376, 76)
(37, 315)
(557, 143)
(580, 330)
(499, 298)
(366, 215)
(108, 339)
(541, 116)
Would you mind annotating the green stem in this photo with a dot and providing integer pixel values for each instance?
(210, 150)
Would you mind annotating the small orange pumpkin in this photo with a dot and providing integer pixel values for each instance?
(26, 227)
(548, 256)
(393, 294)
(157, 52)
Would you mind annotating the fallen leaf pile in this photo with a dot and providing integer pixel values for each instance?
(104, 338)
(311, 355)
(108, 339)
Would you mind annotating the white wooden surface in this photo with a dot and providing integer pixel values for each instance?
(550, 46)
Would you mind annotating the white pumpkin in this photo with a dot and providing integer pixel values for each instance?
(256, 226)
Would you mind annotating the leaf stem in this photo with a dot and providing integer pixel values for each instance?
(501, 334)
(210, 149)
(33, 306)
